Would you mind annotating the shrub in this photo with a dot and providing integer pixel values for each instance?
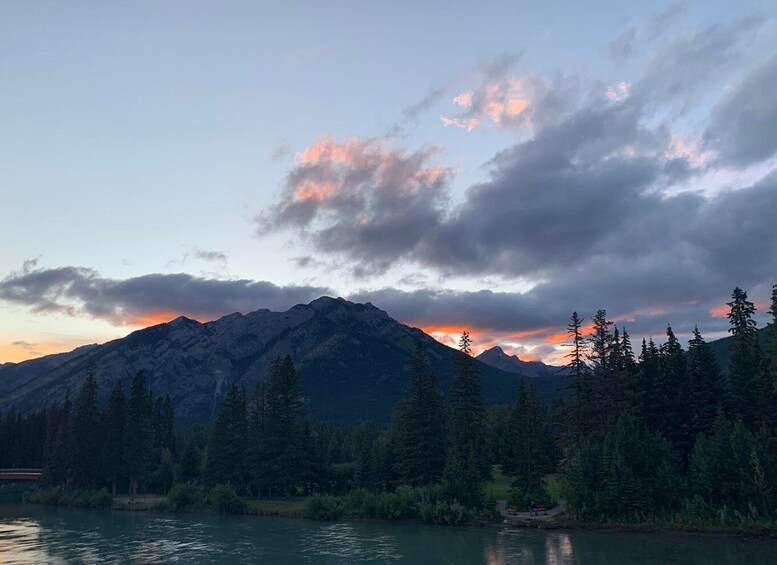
(186, 496)
(224, 500)
(101, 499)
(322, 507)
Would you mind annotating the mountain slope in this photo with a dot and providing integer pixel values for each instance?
(496, 357)
(722, 348)
(354, 360)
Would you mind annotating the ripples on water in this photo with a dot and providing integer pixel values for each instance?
(46, 535)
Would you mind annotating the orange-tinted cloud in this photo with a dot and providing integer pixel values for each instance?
(498, 101)
(720, 311)
(316, 191)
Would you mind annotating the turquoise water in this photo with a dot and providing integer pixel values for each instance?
(34, 534)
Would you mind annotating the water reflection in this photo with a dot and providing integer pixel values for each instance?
(19, 542)
(36, 534)
(558, 549)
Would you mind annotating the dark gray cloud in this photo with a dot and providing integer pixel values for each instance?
(587, 208)
(24, 345)
(82, 291)
(743, 127)
(363, 198)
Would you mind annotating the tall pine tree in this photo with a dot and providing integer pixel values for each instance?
(115, 429)
(421, 441)
(138, 447)
(87, 434)
(745, 362)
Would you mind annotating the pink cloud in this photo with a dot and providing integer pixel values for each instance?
(506, 102)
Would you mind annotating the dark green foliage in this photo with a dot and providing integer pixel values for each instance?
(284, 450)
(772, 331)
(164, 475)
(186, 496)
(224, 500)
(428, 504)
(466, 426)
(190, 466)
(745, 356)
(98, 499)
(226, 460)
(58, 454)
(628, 474)
(162, 424)
(530, 452)
(86, 436)
(139, 448)
(420, 426)
(115, 429)
(706, 389)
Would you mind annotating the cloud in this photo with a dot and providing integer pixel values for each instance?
(211, 256)
(361, 194)
(622, 47)
(194, 252)
(743, 127)
(24, 344)
(412, 113)
(664, 19)
(682, 69)
(527, 101)
(589, 207)
(147, 299)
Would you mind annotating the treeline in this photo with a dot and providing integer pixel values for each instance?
(263, 444)
(80, 446)
(662, 434)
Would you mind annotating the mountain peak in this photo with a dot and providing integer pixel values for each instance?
(495, 350)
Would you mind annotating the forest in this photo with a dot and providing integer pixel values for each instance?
(662, 435)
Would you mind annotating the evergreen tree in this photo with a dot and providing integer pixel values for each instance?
(57, 455)
(287, 445)
(190, 465)
(577, 369)
(227, 449)
(745, 361)
(531, 452)
(466, 417)
(162, 420)
(651, 385)
(164, 476)
(138, 448)
(706, 395)
(87, 434)
(605, 395)
(772, 331)
(421, 431)
(675, 424)
(115, 428)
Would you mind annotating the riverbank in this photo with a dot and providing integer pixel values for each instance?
(366, 506)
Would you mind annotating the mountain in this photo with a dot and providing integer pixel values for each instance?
(15, 375)
(496, 357)
(354, 360)
(722, 348)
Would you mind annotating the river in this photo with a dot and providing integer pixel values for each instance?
(35, 534)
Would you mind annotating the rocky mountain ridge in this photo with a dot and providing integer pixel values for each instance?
(354, 360)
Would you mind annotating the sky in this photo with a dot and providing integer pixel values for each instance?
(490, 166)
